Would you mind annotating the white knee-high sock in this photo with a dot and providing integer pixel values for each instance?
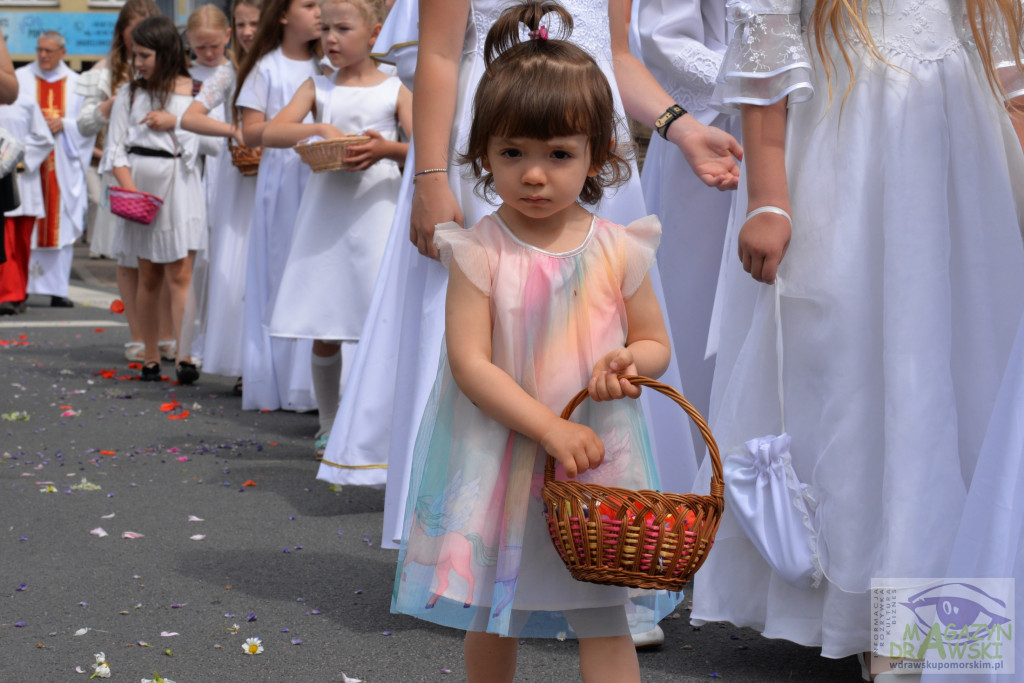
(327, 387)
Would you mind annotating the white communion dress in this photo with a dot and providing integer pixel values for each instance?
(342, 224)
(902, 289)
(277, 372)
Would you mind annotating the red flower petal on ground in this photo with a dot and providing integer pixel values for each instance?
(179, 416)
(135, 366)
(117, 306)
(99, 329)
(250, 483)
(168, 407)
(108, 452)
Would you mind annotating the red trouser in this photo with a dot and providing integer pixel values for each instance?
(18, 245)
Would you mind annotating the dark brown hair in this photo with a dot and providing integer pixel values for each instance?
(269, 36)
(120, 61)
(160, 35)
(541, 89)
(237, 51)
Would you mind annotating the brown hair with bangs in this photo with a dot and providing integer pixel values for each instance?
(119, 60)
(542, 89)
(159, 35)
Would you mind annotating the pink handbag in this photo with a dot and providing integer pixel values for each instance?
(134, 205)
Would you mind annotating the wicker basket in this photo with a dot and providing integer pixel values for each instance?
(639, 539)
(328, 155)
(245, 159)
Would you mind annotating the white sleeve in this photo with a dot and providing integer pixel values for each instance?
(679, 50)
(119, 124)
(767, 59)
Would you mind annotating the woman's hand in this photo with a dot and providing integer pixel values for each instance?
(574, 446)
(236, 135)
(160, 120)
(763, 241)
(362, 156)
(432, 203)
(605, 385)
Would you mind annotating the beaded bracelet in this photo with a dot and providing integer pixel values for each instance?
(429, 170)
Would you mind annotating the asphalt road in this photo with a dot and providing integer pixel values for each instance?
(236, 538)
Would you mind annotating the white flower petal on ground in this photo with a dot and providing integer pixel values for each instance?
(193, 518)
(346, 679)
(131, 534)
(82, 631)
(99, 531)
(110, 516)
(253, 646)
(197, 537)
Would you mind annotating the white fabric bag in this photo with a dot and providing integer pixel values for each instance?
(775, 510)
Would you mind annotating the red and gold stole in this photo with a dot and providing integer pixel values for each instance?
(50, 97)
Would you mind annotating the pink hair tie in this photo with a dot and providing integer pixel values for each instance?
(539, 34)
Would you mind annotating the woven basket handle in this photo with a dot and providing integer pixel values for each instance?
(717, 482)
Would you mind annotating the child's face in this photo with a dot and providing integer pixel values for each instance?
(209, 45)
(143, 61)
(247, 18)
(345, 34)
(302, 19)
(539, 178)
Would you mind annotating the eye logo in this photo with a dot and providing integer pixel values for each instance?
(965, 613)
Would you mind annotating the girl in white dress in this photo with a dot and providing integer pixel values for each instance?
(162, 163)
(344, 217)
(98, 87)
(283, 57)
(373, 436)
(229, 211)
(881, 193)
(544, 298)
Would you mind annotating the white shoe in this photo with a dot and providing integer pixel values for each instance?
(652, 638)
(135, 351)
(168, 349)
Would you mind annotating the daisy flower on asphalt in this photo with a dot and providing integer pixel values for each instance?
(158, 679)
(253, 646)
(101, 668)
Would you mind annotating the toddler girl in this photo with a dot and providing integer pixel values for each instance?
(543, 298)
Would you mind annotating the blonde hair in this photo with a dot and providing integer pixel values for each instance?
(374, 11)
(209, 17)
(846, 20)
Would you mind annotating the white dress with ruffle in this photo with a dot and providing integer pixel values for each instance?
(902, 289)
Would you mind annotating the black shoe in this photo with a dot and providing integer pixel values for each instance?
(8, 308)
(61, 302)
(21, 306)
(187, 372)
(151, 372)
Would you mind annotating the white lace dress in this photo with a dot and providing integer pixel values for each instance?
(375, 430)
(902, 290)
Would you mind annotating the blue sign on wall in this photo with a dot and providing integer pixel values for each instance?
(86, 33)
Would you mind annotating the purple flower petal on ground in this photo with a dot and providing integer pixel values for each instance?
(284, 630)
(251, 617)
(316, 611)
(19, 624)
(386, 633)
(296, 641)
(287, 550)
(22, 587)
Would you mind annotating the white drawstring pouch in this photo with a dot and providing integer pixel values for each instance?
(775, 510)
